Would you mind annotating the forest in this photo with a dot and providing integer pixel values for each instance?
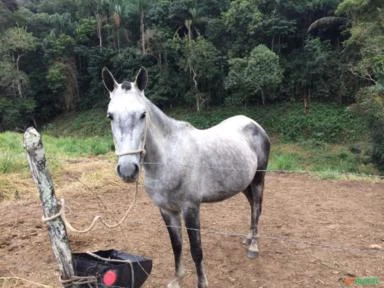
(199, 54)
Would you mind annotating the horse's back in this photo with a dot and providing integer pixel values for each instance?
(229, 155)
(241, 128)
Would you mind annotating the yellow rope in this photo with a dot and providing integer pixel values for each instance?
(97, 218)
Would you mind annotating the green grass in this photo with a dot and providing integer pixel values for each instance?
(285, 161)
(326, 160)
(75, 146)
(13, 157)
(84, 124)
(327, 123)
(316, 142)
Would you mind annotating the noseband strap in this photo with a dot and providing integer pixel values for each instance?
(133, 152)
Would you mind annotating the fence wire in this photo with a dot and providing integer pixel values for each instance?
(281, 171)
(378, 250)
(13, 282)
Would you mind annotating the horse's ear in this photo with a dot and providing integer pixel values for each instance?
(108, 79)
(141, 79)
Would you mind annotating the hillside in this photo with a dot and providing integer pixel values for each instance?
(329, 138)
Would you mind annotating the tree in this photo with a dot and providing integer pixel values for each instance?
(14, 44)
(276, 27)
(201, 59)
(137, 9)
(5, 13)
(201, 62)
(242, 20)
(258, 74)
(16, 109)
(366, 49)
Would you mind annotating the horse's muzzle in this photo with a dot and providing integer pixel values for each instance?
(128, 172)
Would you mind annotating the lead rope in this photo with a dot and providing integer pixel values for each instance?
(89, 280)
(97, 218)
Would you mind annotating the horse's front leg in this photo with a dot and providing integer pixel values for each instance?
(173, 222)
(192, 222)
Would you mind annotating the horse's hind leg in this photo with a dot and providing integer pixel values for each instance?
(173, 222)
(254, 193)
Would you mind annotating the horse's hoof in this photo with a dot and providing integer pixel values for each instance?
(252, 254)
(174, 284)
(202, 285)
(247, 241)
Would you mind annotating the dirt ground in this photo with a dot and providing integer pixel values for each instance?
(313, 233)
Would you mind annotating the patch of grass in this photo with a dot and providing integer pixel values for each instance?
(334, 158)
(74, 147)
(328, 161)
(316, 142)
(328, 123)
(89, 123)
(329, 175)
(280, 159)
(13, 157)
(9, 162)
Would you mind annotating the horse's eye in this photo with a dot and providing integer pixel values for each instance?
(142, 116)
(109, 116)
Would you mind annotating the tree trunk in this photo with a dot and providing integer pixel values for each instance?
(118, 39)
(71, 96)
(19, 87)
(262, 97)
(142, 32)
(197, 102)
(56, 228)
(197, 96)
(99, 35)
(188, 25)
(306, 101)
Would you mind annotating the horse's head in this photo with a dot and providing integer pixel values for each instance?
(127, 112)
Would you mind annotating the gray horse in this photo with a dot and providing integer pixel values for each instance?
(185, 166)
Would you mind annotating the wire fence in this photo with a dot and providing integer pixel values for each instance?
(281, 171)
(377, 250)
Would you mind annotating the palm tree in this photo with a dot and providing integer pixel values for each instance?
(138, 8)
(192, 18)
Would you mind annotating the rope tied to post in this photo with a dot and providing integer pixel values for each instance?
(79, 280)
(96, 219)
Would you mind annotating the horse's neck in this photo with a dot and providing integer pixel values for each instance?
(160, 128)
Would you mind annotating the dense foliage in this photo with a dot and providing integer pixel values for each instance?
(198, 53)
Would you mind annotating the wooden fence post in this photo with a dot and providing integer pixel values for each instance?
(51, 207)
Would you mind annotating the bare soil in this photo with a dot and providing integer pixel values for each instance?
(313, 232)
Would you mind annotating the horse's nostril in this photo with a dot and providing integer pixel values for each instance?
(129, 171)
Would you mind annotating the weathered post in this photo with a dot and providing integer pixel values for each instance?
(51, 207)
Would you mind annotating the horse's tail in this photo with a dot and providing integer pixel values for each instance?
(263, 153)
(262, 165)
(262, 146)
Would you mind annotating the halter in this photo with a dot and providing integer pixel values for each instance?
(141, 150)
